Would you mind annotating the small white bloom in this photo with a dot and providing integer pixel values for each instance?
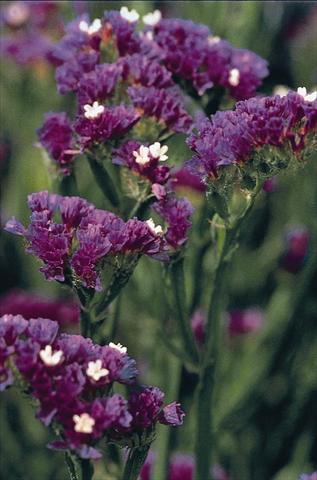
(84, 423)
(94, 110)
(119, 347)
(16, 13)
(234, 77)
(95, 370)
(159, 152)
(94, 27)
(308, 97)
(152, 19)
(142, 156)
(212, 39)
(50, 358)
(281, 90)
(157, 229)
(129, 15)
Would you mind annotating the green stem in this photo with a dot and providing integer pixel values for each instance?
(119, 279)
(71, 467)
(182, 316)
(104, 181)
(135, 462)
(87, 469)
(205, 424)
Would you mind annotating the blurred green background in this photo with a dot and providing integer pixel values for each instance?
(268, 380)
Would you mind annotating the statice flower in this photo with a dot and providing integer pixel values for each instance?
(284, 125)
(99, 84)
(177, 213)
(82, 238)
(56, 136)
(198, 325)
(240, 322)
(71, 377)
(29, 305)
(296, 249)
(145, 160)
(146, 407)
(99, 125)
(182, 178)
(193, 54)
(163, 105)
(121, 30)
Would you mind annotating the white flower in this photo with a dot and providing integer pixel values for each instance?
(50, 358)
(95, 370)
(16, 13)
(94, 27)
(234, 77)
(94, 110)
(212, 39)
(152, 19)
(84, 423)
(129, 15)
(119, 347)
(281, 90)
(159, 152)
(308, 97)
(157, 229)
(142, 156)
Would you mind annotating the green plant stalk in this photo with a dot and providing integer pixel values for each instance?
(163, 432)
(104, 181)
(87, 469)
(205, 424)
(176, 269)
(71, 467)
(135, 462)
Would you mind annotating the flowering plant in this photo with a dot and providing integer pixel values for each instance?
(132, 88)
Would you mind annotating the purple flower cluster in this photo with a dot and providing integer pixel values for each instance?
(191, 53)
(67, 373)
(245, 321)
(82, 238)
(56, 136)
(177, 213)
(181, 467)
(296, 249)
(234, 137)
(65, 312)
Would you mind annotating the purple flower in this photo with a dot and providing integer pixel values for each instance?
(145, 407)
(305, 476)
(140, 70)
(122, 32)
(99, 84)
(69, 74)
(177, 213)
(182, 467)
(147, 166)
(112, 122)
(146, 471)
(198, 324)
(183, 178)
(56, 136)
(244, 321)
(296, 248)
(172, 414)
(162, 104)
(231, 137)
(26, 48)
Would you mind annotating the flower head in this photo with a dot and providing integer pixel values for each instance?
(308, 97)
(50, 358)
(159, 152)
(95, 370)
(84, 423)
(130, 16)
(91, 29)
(153, 18)
(93, 111)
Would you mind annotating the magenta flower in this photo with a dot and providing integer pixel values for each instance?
(182, 467)
(83, 237)
(232, 137)
(104, 124)
(244, 321)
(177, 213)
(56, 136)
(296, 249)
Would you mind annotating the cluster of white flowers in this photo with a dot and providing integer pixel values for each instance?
(91, 29)
(142, 156)
(132, 16)
(308, 97)
(157, 229)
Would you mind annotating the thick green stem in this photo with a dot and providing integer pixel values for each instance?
(135, 462)
(182, 315)
(104, 181)
(205, 423)
(71, 467)
(87, 470)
